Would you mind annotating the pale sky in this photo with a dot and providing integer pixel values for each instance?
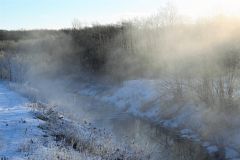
(56, 14)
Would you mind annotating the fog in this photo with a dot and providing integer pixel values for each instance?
(195, 62)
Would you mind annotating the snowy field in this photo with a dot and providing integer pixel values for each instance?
(18, 128)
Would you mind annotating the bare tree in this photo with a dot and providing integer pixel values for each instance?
(76, 24)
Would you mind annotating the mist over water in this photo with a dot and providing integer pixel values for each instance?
(195, 64)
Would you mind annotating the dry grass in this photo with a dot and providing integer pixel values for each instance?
(82, 139)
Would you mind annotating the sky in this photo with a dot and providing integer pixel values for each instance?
(56, 14)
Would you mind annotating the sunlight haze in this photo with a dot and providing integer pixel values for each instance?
(55, 14)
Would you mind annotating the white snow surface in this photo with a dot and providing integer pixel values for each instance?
(17, 125)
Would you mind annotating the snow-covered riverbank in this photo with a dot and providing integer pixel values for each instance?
(151, 99)
(141, 98)
(18, 127)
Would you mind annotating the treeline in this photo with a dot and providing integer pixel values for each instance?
(24, 34)
(200, 59)
(91, 45)
(84, 46)
(101, 49)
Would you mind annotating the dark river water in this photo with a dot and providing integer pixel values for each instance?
(154, 139)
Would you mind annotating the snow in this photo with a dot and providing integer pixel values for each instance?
(144, 98)
(231, 153)
(186, 131)
(17, 125)
(132, 94)
(212, 149)
(206, 144)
